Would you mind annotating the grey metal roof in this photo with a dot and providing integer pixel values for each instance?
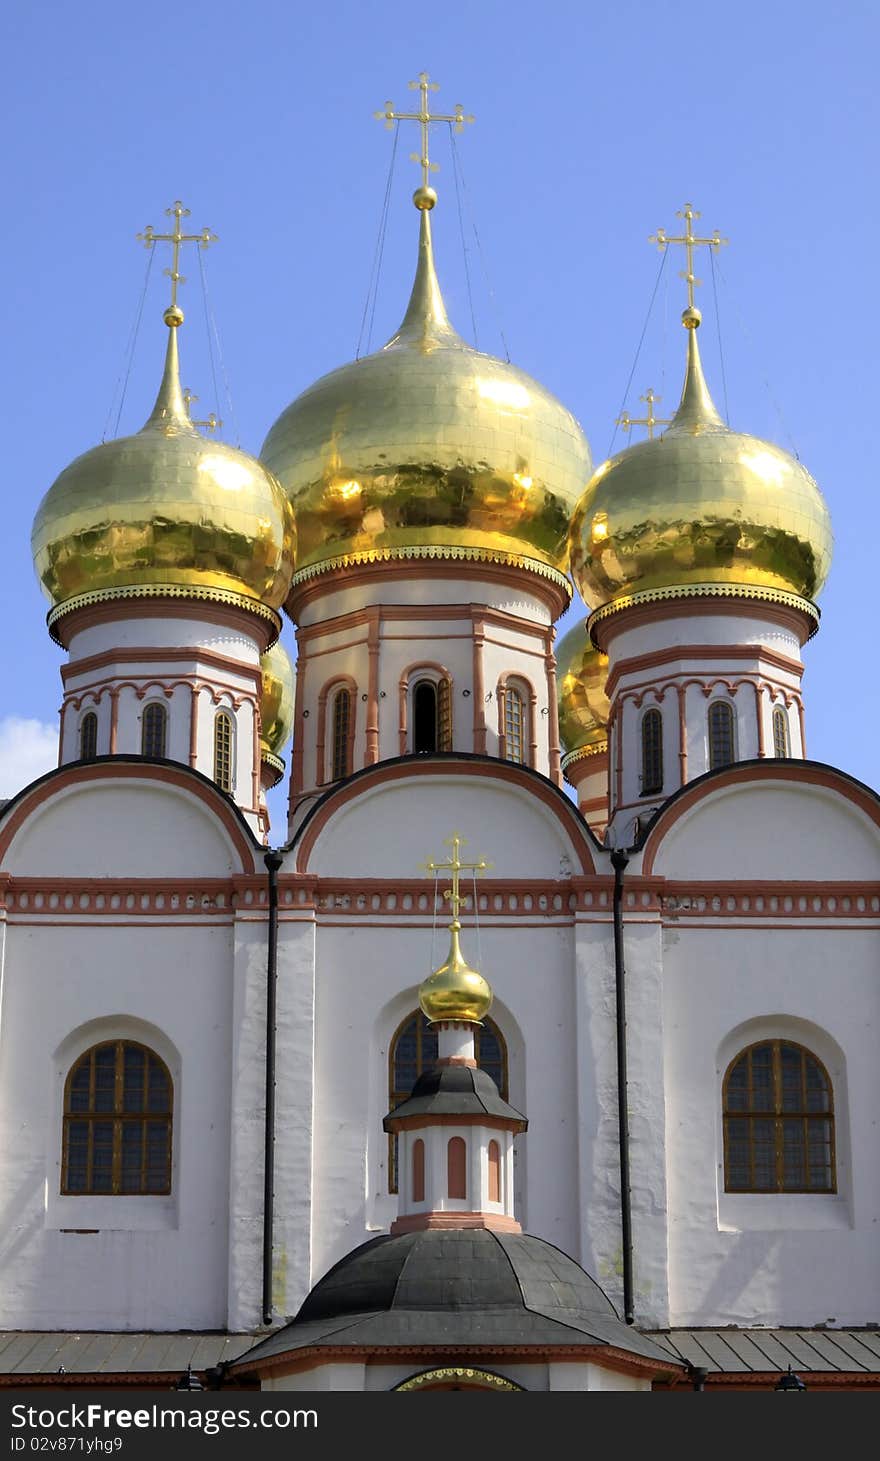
(454, 1090)
(759, 1351)
(453, 1288)
(34, 1352)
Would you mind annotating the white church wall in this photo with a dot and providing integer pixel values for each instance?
(520, 834)
(786, 829)
(357, 1375)
(794, 1259)
(165, 631)
(600, 1241)
(105, 1263)
(137, 829)
(358, 972)
(294, 1076)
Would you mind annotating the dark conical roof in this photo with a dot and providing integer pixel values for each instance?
(455, 1090)
(454, 1288)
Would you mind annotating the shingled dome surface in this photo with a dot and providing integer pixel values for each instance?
(459, 1287)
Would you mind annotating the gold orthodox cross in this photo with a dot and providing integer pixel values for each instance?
(211, 424)
(690, 242)
(456, 867)
(627, 421)
(150, 237)
(424, 116)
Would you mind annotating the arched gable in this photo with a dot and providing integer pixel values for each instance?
(766, 822)
(386, 820)
(123, 817)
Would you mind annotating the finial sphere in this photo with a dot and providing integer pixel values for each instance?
(691, 317)
(424, 198)
(173, 316)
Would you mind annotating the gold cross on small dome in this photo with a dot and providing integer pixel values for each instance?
(456, 867)
(650, 420)
(211, 423)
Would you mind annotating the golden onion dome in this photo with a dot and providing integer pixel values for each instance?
(429, 448)
(581, 672)
(455, 991)
(276, 700)
(165, 512)
(700, 510)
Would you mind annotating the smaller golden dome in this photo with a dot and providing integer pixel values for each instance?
(581, 672)
(276, 700)
(700, 510)
(166, 511)
(455, 991)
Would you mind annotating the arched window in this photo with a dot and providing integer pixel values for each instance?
(154, 726)
(88, 736)
(223, 750)
(514, 725)
(778, 1109)
(341, 734)
(456, 1168)
(418, 1170)
(652, 752)
(494, 1171)
(722, 750)
(432, 716)
(414, 1048)
(780, 732)
(118, 1101)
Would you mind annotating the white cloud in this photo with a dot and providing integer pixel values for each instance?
(28, 748)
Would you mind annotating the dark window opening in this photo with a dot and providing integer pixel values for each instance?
(652, 752)
(425, 718)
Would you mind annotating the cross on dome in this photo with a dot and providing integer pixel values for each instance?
(690, 241)
(149, 237)
(650, 420)
(456, 867)
(424, 197)
(211, 423)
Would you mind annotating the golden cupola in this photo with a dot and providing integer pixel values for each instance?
(429, 448)
(700, 510)
(581, 672)
(165, 512)
(276, 707)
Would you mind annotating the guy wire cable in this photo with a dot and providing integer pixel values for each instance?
(765, 382)
(638, 349)
(211, 324)
(130, 353)
(376, 268)
(720, 341)
(489, 290)
(467, 272)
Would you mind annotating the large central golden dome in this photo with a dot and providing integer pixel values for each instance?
(701, 509)
(165, 511)
(428, 448)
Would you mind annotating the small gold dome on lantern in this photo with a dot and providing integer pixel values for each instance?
(455, 991)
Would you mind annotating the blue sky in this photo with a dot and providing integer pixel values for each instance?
(594, 124)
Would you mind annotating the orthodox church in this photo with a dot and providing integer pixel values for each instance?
(257, 1126)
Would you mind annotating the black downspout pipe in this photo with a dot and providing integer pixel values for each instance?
(619, 861)
(273, 861)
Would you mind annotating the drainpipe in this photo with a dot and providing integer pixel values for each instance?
(273, 861)
(619, 861)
